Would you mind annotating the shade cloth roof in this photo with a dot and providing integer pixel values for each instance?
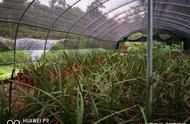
(108, 20)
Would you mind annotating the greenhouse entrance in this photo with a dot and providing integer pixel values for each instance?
(94, 61)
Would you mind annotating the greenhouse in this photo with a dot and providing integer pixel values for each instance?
(94, 61)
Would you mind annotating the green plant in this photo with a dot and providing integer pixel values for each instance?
(6, 57)
(105, 87)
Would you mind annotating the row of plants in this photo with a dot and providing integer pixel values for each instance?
(6, 59)
(161, 46)
(100, 87)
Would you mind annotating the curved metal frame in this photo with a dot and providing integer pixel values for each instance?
(170, 22)
(139, 29)
(156, 10)
(47, 35)
(14, 54)
(95, 29)
(117, 25)
(165, 11)
(103, 15)
(106, 24)
(23, 23)
(157, 19)
(176, 4)
(83, 17)
(163, 20)
(124, 30)
(17, 28)
(141, 26)
(168, 26)
(128, 27)
(114, 25)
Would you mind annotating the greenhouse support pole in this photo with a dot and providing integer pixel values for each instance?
(149, 60)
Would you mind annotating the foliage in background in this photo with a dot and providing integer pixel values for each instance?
(6, 57)
(135, 36)
(4, 48)
(162, 47)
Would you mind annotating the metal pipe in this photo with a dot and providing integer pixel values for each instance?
(149, 60)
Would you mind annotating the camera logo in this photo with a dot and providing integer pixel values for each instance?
(29, 121)
(13, 122)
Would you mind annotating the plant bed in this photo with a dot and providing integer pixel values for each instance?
(103, 88)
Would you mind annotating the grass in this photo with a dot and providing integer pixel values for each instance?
(5, 72)
(54, 53)
(106, 87)
(7, 56)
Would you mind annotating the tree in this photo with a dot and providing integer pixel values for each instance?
(6, 13)
(96, 12)
(15, 1)
(62, 3)
(52, 3)
(57, 4)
